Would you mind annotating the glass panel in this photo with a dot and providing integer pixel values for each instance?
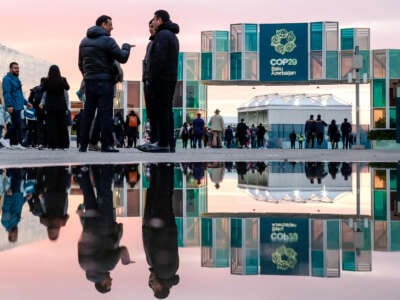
(366, 63)
(347, 39)
(202, 96)
(316, 65)
(192, 66)
(236, 37)
(207, 41)
(316, 36)
(222, 66)
(180, 65)
(363, 38)
(346, 63)
(192, 94)
(379, 93)
(332, 68)
(379, 63)
(250, 66)
(250, 42)
(133, 94)
(177, 100)
(178, 113)
(380, 205)
(380, 179)
(394, 91)
(394, 63)
(332, 36)
(236, 66)
(393, 180)
(222, 38)
(178, 179)
(392, 120)
(379, 116)
(206, 66)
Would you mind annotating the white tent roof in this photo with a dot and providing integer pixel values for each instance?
(297, 100)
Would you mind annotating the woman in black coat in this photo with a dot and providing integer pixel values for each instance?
(55, 102)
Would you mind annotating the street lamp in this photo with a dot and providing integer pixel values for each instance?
(357, 65)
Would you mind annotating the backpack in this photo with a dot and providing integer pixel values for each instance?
(132, 121)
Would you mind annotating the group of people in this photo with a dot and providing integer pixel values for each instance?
(99, 62)
(214, 134)
(41, 120)
(314, 131)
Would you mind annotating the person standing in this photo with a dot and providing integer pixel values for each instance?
(217, 128)
(309, 131)
(333, 133)
(300, 140)
(14, 102)
(198, 130)
(163, 60)
(345, 128)
(55, 103)
(260, 135)
(292, 137)
(228, 136)
(97, 53)
(131, 129)
(253, 136)
(320, 130)
(241, 133)
(184, 134)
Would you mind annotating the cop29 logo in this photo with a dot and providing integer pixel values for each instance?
(283, 41)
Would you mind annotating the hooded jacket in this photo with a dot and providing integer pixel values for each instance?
(12, 92)
(97, 52)
(164, 53)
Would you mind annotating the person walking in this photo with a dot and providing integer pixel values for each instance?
(253, 136)
(241, 133)
(345, 128)
(184, 134)
(55, 102)
(14, 103)
(300, 140)
(97, 53)
(163, 60)
(39, 137)
(217, 128)
(228, 136)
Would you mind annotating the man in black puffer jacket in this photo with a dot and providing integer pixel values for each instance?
(97, 53)
(163, 60)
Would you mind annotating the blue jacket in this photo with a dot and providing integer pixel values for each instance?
(12, 92)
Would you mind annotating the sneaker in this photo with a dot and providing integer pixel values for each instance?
(94, 147)
(19, 147)
(5, 143)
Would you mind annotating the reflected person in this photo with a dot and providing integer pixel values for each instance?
(160, 235)
(98, 246)
(52, 197)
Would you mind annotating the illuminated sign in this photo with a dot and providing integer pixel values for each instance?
(284, 52)
(284, 244)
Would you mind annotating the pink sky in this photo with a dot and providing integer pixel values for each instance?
(52, 30)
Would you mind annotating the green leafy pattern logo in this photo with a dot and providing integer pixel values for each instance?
(283, 41)
(284, 258)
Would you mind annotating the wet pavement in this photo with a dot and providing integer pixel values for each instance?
(199, 230)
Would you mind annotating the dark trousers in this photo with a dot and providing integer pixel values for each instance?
(150, 105)
(57, 130)
(197, 140)
(132, 134)
(163, 92)
(99, 95)
(14, 132)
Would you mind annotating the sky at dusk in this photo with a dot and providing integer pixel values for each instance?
(52, 30)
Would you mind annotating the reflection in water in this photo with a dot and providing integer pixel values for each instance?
(159, 231)
(98, 247)
(180, 209)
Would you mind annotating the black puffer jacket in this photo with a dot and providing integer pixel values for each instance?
(97, 53)
(164, 53)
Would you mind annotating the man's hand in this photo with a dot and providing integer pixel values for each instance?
(41, 106)
(10, 110)
(29, 105)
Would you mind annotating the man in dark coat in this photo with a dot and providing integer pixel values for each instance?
(97, 53)
(163, 60)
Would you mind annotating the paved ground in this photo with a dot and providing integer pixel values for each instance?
(33, 157)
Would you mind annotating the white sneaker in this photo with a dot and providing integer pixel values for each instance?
(5, 143)
(19, 147)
